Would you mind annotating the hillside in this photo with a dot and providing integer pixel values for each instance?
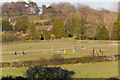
(30, 11)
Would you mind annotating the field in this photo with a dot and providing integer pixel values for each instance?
(93, 70)
(46, 49)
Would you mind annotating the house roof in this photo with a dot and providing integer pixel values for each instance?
(49, 27)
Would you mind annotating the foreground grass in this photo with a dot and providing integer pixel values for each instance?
(93, 70)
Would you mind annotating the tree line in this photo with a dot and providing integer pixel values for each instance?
(75, 26)
(19, 8)
(80, 21)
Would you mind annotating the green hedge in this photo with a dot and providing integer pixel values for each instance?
(56, 61)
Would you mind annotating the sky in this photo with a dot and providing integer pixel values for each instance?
(96, 4)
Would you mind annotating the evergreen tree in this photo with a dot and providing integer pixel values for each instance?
(58, 28)
(82, 28)
(75, 26)
(98, 30)
(21, 24)
(103, 34)
(33, 33)
(6, 26)
(115, 32)
(119, 29)
(46, 34)
(68, 27)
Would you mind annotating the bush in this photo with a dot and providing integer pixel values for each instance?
(5, 64)
(16, 64)
(46, 34)
(8, 78)
(78, 37)
(113, 78)
(11, 78)
(4, 38)
(48, 73)
(57, 59)
(10, 37)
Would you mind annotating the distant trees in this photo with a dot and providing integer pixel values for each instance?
(32, 33)
(68, 28)
(33, 7)
(10, 37)
(103, 33)
(98, 32)
(19, 8)
(80, 20)
(38, 23)
(46, 34)
(64, 7)
(115, 32)
(58, 28)
(6, 26)
(78, 27)
(21, 25)
(75, 25)
(82, 28)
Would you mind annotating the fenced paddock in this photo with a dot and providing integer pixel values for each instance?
(36, 50)
(47, 48)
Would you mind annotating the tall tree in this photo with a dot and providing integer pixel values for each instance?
(46, 34)
(82, 28)
(33, 7)
(21, 25)
(103, 34)
(68, 27)
(58, 28)
(115, 32)
(33, 33)
(98, 30)
(6, 26)
(75, 26)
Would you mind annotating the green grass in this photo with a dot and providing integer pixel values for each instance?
(33, 48)
(63, 43)
(38, 55)
(93, 70)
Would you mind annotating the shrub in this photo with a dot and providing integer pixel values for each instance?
(113, 78)
(20, 78)
(10, 37)
(7, 78)
(57, 59)
(44, 61)
(68, 60)
(11, 78)
(16, 64)
(48, 73)
(5, 64)
(46, 34)
(27, 63)
(4, 38)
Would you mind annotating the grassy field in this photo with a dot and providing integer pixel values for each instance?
(45, 49)
(93, 70)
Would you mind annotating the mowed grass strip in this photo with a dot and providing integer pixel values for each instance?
(93, 70)
(55, 44)
(107, 50)
(38, 55)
